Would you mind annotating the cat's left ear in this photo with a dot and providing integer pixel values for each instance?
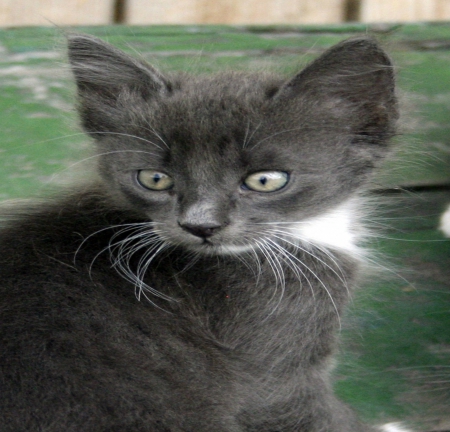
(105, 77)
(353, 82)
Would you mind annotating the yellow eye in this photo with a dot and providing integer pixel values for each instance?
(154, 180)
(266, 181)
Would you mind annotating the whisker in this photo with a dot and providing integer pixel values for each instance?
(153, 130)
(247, 141)
(52, 178)
(324, 250)
(129, 136)
(103, 230)
(62, 137)
(142, 269)
(247, 130)
(320, 280)
(276, 267)
(278, 223)
(138, 236)
(291, 263)
(275, 134)
(258, 263)
(239, 256)
(126, 252)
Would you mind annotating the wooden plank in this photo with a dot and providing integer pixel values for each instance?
(424, 161)
(404, 10)
(58, 12)
(234, 11)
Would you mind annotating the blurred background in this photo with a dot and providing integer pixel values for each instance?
(137, 12)
(395, 360)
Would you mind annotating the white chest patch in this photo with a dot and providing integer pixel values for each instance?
(337, 229)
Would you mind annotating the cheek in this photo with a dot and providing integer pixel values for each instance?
(162, 212)
(156, 206)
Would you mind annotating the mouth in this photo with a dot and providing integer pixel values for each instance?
(214, 246)
(209, 248)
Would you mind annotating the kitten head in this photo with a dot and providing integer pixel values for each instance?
(224, 162)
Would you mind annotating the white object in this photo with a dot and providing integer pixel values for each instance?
(444, 225)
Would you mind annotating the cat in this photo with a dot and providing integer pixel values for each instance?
(197, 283)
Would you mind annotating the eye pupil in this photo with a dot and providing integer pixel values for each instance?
(154, 180)
(266, 181)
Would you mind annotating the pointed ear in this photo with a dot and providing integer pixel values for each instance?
(105, 76)
(355, 81)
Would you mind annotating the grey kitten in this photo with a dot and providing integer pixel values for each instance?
(198, 285)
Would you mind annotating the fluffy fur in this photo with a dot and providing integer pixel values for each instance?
(207, 305)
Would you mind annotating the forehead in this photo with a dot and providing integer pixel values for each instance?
(219, 120)
(204, 119)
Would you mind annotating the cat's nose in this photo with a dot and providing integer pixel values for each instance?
(201, 230)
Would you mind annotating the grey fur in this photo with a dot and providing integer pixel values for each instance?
(241, 317)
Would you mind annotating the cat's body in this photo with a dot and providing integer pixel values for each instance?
(199, 285)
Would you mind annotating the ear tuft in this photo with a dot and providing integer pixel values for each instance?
(96, 63)
(354, 82)
(352, 65)
(105, 75)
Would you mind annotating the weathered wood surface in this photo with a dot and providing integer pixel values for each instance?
(36, 86)
(397, 340)
(235, 11)
(93, 12)
(57, 12)
(403, 10)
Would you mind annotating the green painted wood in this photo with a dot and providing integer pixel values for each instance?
(396, 356)
(36, 89)
(397, 338)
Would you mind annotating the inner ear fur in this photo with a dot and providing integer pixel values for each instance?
(105, 76)
(355, 80)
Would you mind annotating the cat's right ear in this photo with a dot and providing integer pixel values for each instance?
(105, 76)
